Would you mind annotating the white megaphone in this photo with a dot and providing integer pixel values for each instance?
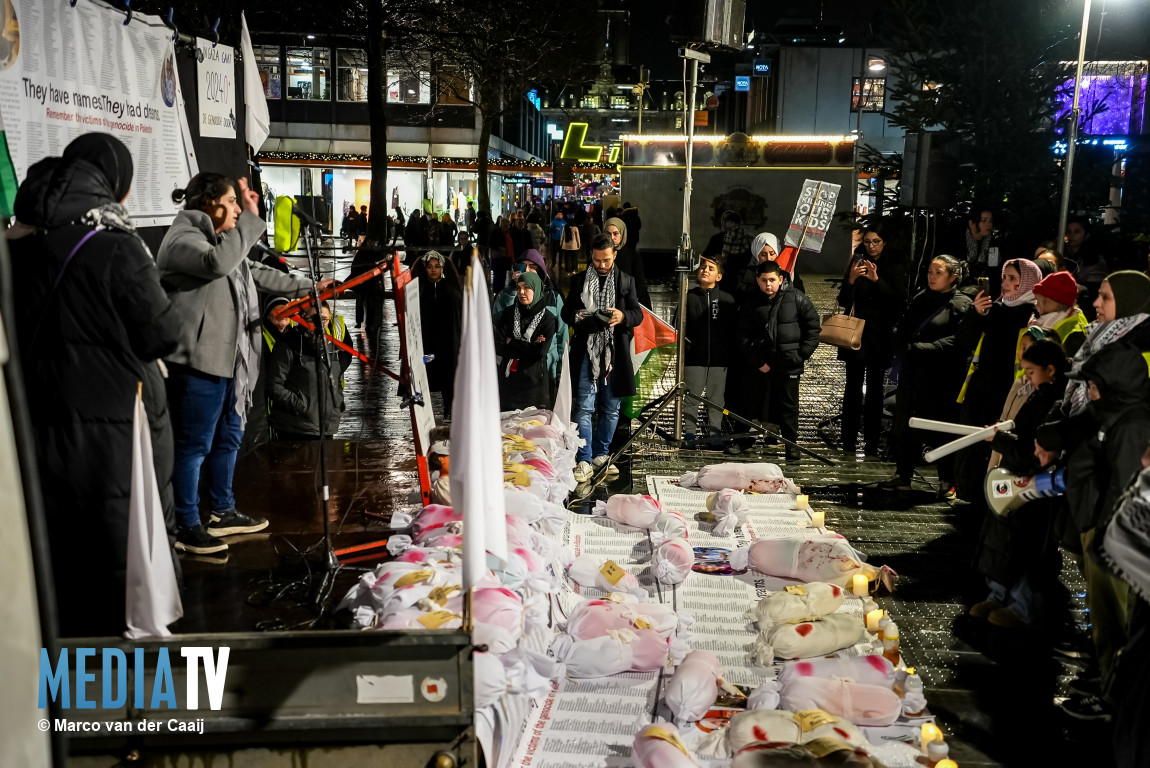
(1006, 491)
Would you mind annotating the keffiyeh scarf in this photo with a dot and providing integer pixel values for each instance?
(1127, 536)
(1098, 335)
(600, 345)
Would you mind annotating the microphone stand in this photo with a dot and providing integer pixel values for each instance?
(329, 562)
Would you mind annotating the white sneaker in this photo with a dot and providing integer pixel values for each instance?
(583, 472)
(599, 461)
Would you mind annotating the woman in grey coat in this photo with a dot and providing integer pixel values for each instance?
(204, 266)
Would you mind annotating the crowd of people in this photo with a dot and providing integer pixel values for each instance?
(1056, 342)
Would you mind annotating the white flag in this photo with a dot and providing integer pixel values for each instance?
(153, 596)
(476, 443)
(257, 121)
(562, 409)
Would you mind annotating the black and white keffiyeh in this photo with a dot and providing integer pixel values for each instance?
(1125, 543)
(599, 295)
(1098, 335)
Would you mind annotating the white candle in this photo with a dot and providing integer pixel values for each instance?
(818, 519)
(860, 586)
(802, 501)
(872, 620)
(930, 732)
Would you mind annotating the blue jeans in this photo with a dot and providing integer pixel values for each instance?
(587, 394)
(207, 432)
(1019, 597)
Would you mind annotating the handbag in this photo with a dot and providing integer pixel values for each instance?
(841, 330)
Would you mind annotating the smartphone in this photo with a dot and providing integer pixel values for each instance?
(984, 285)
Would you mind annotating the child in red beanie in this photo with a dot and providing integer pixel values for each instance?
(1056, 308)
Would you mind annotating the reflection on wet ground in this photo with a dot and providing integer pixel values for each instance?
(994, 690)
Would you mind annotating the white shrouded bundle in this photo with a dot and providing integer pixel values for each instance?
(636, 510)
(797, 601)
(602, 573)
(871, 670)
(808, 639)
(758, 478)
(620, 650)
(669, 525)
(693, 688)
(594, 618)
(672, 560)
(862, 704)
(728, 509)
(826, 557)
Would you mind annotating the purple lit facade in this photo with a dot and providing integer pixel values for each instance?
(1111, 104)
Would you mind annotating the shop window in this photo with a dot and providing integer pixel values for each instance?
(308, 71)
(620, 102)
(408, 87)
(590, 101)
(268, 64)
(454, 86)
(873, 94)
(351, 74)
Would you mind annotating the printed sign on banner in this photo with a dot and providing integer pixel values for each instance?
(813, 213)
(66, 71)
(413, 332)
(216, 75)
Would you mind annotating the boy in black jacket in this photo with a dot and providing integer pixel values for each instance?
(709, 329)
(777, 332)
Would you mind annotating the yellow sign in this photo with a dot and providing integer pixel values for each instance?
(575, 149)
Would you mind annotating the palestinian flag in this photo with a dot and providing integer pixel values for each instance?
(652, 350)
(8, 182)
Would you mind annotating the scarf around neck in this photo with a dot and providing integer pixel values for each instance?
(1098, 335)
(600, 345)
(1127, 536)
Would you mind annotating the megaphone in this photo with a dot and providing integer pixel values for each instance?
(1006, 491)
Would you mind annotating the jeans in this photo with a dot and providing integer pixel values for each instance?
(1019, 597)
(207, 433)
(587, 394)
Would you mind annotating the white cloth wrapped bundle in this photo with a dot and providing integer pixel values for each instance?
(728, 509)
(797, 601)
(861, 704)
(434, 516)
(540, 513)
(375, 588)
(525, 569)
(409, 618)
(826, 557)
(672, 561)
(693, 688)
(637, 510)
(759, 725)
(498, 615)
(758, 478)
(869, 670)
(595, 618)
(669, 525)
(620, 650)
(659, 746)
(808, 639)
(588, 571)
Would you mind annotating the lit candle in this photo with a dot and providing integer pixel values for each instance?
(802, 501)
(860, 586)
(948, 763)
(818, 519)
(930, 732)
(872, 620)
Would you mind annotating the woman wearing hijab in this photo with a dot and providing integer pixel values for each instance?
(91, 322)
(441, 321)
(873, 289)
(764, 247)
(203, 261)
(626, 259)
(522, 338)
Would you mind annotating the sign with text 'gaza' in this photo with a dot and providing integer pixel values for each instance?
(216, 75)
(813, 214)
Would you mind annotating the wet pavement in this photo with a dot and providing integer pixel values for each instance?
(993, 690)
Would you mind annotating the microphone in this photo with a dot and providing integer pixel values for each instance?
(263, 247)
(304, 216)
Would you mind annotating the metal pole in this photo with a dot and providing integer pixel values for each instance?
(1072, 133)
(686, 257)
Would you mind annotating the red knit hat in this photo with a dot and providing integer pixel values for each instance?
(1059, 286)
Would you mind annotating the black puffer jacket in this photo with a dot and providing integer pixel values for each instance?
(782, 331)
(295, 390)
(933, 363)
(84, 345)
(1100, 467)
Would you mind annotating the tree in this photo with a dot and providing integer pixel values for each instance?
(489, 52)
(988, 72)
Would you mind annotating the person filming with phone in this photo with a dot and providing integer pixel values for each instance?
(874, 289)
